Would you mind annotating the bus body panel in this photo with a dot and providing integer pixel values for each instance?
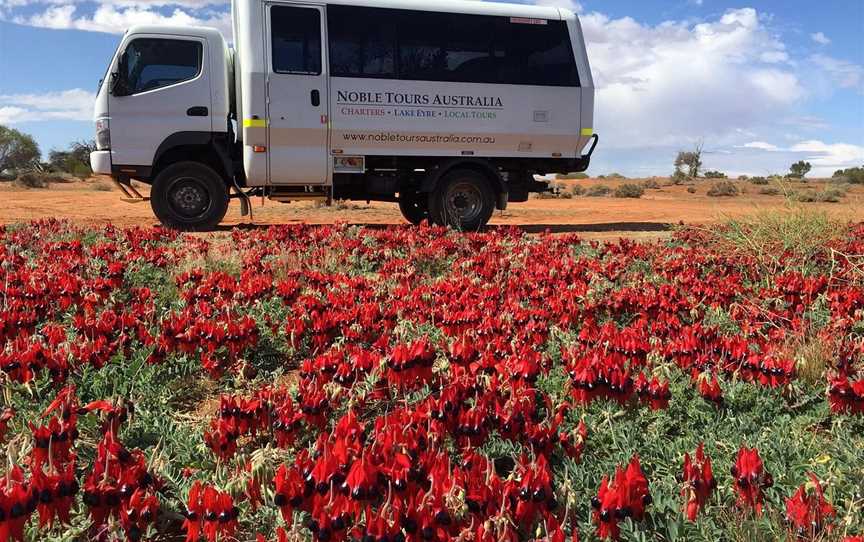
(421, 118)
(399, 117)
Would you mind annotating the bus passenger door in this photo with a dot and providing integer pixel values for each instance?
(298, 110)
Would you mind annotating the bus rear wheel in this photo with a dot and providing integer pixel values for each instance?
(463, 199)
(414, 207)
(189, 196)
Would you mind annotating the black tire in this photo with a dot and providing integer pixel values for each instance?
(463, 199)
(414, 207)
(189, 196)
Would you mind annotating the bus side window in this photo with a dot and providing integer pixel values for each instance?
(296, 36)
(155, 63)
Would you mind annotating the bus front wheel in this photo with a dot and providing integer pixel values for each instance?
(189, 196)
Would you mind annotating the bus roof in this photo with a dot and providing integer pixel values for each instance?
(473, 7)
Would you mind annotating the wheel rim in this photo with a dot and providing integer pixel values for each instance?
(463, 201)
(188, 197)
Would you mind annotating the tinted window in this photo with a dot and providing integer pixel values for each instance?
(296, 40)
(446, 47)
(362, 42)
(153, 63)
(431, 46)
(535, 54)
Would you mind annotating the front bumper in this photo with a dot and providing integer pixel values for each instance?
(100, 162)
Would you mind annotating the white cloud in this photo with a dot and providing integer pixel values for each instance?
(826, 158)
(117, 17)
(75, 104)
(829, 157)
(761, 145)
(674, 83)
(842, 73)
(820, 38)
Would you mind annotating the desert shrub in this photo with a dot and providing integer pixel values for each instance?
(715, 175)
(100, 186)
(769, 191)
(615, 176)
(853, 175)
(598, 191)
(691, 189)
(652, 184)
(761, 181)
(33, 179)
(723, 189)
(829, 195)
(743, 177)
(578, 176)
(679, 177)
(577, 190)
(629, 190)
(557, 190)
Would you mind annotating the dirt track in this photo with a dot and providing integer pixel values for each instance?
(89, 203)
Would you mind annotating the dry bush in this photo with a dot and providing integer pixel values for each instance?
(723, 189)
(33, 180)
(598, 191)
(813, 356)
(760, 181)
(691, 189)
(577, 190)
(651, 184)
(557, 191)
(629, 190)
(769, 191)
(577, 175)
(679, 177)
(829, 195)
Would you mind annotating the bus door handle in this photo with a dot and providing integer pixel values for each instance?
(199, 111)
(316, 98)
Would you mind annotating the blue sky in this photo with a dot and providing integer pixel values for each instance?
(762, 83)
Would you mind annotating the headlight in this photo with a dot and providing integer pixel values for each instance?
(103, 134)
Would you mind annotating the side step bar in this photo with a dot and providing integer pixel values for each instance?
(132, 195)
(300, 193)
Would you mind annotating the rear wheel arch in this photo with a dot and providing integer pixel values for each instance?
(205, 148)
(480, 166)
(463, 198)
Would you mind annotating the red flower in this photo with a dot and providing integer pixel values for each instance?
(750, 479)
(698, 482)
(709, 388)
(809, 513)
(209, 512)
(626, 496)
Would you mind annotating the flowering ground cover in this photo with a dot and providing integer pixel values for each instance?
(412, 384)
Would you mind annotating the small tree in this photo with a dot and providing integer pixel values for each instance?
(800, 169)
(691, 161)
(76, 160)
(17, 150)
